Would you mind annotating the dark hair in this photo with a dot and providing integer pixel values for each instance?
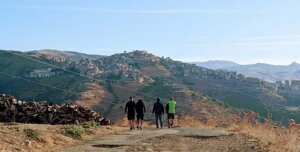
(130, 97)
(140, 100)
(158, 100)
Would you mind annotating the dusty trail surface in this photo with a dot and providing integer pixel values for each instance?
(169, 140)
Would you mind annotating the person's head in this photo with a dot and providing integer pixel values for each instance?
(140, 100)
(172, 98)
(158, 100)
(130, 98)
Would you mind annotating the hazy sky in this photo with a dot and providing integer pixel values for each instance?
(238, 30)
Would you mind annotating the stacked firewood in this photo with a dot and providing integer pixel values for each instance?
(13, 110)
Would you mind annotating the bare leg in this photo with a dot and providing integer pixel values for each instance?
(130, 124)
(133, 123)
(141, 121)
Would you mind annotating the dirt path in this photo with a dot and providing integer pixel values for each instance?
(199, 141)
(120, 142)
(167, 140)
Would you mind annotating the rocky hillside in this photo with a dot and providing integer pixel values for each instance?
(61, 55)
(200, 91)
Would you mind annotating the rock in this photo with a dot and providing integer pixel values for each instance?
(28, 143)
(253, 140)
(13, 110)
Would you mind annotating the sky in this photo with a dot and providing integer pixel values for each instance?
(243, 31)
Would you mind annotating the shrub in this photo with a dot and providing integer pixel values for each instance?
(34, 135)
(72, 132)
(91, 124)
(86, 125)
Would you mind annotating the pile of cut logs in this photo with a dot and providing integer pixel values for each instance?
(13, 110)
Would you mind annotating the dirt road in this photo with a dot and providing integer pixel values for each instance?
(169, 140)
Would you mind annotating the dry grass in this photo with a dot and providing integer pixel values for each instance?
(30, 137)
(93, 96)
(33, 137)
(275, 138)
(278, 139)
(124, 123)
(189, 121)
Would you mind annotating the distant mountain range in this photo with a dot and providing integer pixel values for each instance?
(217, 64)
(260, 70)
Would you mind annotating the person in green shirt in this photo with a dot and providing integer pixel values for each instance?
(170, 109)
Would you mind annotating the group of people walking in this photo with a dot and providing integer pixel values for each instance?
(138, 109)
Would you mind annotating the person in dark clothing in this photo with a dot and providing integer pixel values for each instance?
(158, 110)
(168, 115)
(167, 108)
(140, 111)
(130, 111)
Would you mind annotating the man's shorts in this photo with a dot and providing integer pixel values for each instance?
(171, 116)
(131, 116)
(140, 116)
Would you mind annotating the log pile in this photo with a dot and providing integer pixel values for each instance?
(13, 110)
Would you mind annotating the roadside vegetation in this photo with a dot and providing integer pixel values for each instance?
(73, 132)
(267, 133)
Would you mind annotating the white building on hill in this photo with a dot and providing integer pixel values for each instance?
(42, 73)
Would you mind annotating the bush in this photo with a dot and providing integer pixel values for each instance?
(86, 125)
(91, 124)
(34, 135)
(72, 132)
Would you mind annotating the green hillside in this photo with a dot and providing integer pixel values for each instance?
(23, 89)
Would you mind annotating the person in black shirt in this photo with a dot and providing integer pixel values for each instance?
(130, 111)
(158, 110)
(140, 110)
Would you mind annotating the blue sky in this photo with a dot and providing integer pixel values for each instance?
(242, 31)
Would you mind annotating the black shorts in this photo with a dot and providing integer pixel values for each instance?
(131, 116)
(140, 116)
(171, 116)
